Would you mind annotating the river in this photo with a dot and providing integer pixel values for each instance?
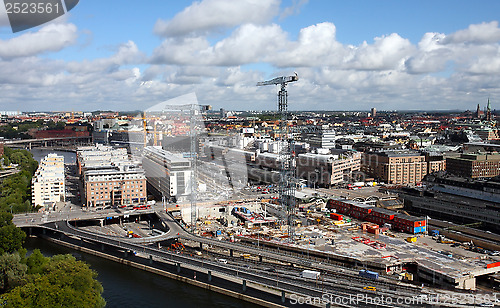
(126, 286)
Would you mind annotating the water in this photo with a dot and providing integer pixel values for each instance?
(126, 286)
(38, 154)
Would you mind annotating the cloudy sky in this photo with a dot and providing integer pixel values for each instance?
(349, 55)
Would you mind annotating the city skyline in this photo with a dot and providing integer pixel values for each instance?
(349, 56)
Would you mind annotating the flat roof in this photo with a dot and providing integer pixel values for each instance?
(409, 218)
(384, 211)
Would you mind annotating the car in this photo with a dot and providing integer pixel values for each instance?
(370, 288)
(270, 269)
(223, 261)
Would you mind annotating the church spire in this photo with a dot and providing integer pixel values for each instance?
(488, 111)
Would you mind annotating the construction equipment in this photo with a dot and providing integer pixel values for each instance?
(287, 183)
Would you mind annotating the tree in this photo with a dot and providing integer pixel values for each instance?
(35, 262)
(62, 282)
(12, 271)
(11, 237)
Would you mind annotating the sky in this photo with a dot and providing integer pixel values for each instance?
(129, 55)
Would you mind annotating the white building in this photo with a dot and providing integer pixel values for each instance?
(167, 174)
(47, 185)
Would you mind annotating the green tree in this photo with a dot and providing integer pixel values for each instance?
(62, 282)
(11, 237)
(12, 271)
(35, 262)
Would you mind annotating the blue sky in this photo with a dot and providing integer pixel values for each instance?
(350, 55)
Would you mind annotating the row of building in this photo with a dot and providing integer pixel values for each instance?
(109, 177)
(379, 216)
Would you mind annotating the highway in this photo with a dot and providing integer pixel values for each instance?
(339, 283)
(290, 283)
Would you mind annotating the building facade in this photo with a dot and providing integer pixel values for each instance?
(167, 174)
(395, 167)
(47, 184)
(474, 165)
(327, 170)
(109, 177)
(114, 186)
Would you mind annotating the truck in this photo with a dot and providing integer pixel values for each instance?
(310, 274)
(368, 274)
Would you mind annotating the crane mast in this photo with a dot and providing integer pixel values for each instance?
(287, 183)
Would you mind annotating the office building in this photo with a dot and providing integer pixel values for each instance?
(322, 138)
(109, 177)
(399, 167)
(167, 174)
(325, 170)
(114, 185)
(100, 155)
(470, 165)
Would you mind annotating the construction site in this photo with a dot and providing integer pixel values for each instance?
(350, 242)
(352, 227)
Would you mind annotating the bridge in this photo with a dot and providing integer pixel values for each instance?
(61, 141)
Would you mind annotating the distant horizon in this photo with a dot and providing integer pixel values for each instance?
(263, 111)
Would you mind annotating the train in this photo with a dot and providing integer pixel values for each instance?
(368, 274)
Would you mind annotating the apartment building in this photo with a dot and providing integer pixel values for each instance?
(47, 184)
(399, 167)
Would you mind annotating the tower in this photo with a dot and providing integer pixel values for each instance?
(488, 111)
(478, 112)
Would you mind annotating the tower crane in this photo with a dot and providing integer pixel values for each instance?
(287, 183)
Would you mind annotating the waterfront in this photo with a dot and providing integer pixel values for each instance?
(38, 154)
(126, 286)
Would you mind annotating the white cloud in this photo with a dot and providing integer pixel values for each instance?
(53, 37)
(388, 73)
(387, 52)
(207, 15)
(127, 53)
(476, 34)
(316, 45)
